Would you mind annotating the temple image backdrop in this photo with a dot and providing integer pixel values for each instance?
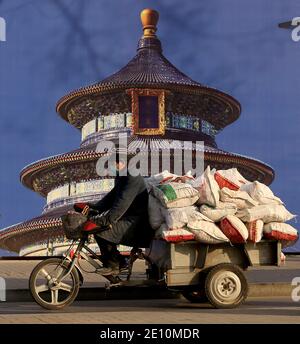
(204, 72)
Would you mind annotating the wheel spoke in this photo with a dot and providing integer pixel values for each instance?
(41, 288)
(54, 296)
(45, 274)
(66, 287)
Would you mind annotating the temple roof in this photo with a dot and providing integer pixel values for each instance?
(150, 69)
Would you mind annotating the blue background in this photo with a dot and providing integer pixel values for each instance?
(54, 46)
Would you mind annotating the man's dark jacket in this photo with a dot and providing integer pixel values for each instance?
(125, 210)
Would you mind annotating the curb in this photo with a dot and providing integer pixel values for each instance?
(136, 293)
(270, 289)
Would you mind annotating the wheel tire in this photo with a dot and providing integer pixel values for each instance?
(226, 286)
(197, 294)
(73, 294)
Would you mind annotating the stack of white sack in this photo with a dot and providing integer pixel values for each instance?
(248, 210)
(162, 220)
(170, 207)
(219, 206)
(173, 212)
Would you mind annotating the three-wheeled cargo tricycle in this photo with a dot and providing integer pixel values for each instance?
(201, 272)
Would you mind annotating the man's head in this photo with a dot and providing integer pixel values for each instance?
(119, 165)
(118, 160)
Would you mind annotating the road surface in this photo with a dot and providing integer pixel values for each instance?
(174, 311)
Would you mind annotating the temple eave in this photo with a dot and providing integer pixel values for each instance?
(212, 156)
(67, 101)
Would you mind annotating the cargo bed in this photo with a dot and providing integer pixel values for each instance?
(183, 261)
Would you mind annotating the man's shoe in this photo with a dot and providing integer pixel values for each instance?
(106, 271)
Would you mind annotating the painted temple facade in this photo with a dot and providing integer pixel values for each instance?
(152, 104)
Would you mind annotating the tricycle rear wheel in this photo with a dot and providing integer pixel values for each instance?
(226, 286)
(197, 294)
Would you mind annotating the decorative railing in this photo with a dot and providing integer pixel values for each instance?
(112, 121)
(83, 188)
(124, 120)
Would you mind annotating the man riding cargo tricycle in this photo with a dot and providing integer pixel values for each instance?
(201, 272)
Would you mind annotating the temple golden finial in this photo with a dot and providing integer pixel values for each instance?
(149, 20)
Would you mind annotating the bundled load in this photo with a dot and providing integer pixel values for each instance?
(267, 213)
(208, 189)
(166, 177)
(261, 193)
(176, 195)
(255, 230)
(234, 229)
(205, 230)
(231, 179)
(241, 199)
(217, 213)
(175, 235)
(280, 231)
(177, 217)
(219, 206)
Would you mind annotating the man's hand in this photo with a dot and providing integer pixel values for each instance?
(101, 220)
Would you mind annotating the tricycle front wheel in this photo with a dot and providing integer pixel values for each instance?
(46, 288)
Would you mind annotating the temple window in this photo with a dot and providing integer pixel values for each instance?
(148, 111)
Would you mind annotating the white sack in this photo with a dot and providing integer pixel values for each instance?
(280, 231)
(261, 193)
(216, 214)
(230, 178)
(266, 213)
(159, 178)
(175, 195)
(208, 188)
(255, 230)
(240, 198)
(207, 232)
(234, 229)
(177, 235)
(177, 217)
